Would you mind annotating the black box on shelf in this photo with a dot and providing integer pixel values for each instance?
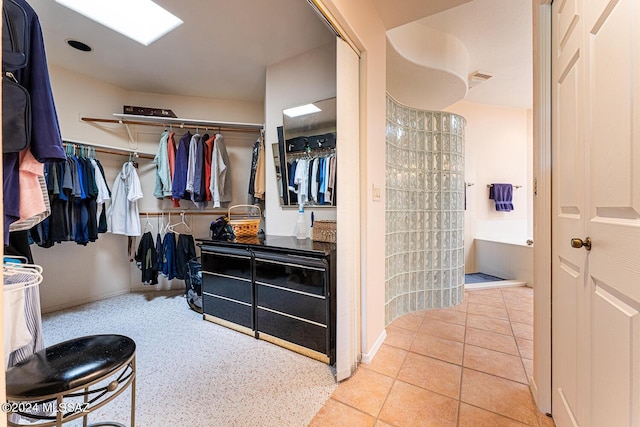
(148, 111)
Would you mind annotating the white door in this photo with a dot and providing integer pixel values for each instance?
(596, 194)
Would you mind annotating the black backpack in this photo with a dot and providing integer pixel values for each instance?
(16, 102)
(193, 282)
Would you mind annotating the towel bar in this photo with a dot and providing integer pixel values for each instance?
(515, 186)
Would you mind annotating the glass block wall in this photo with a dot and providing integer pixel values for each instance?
(424, 241)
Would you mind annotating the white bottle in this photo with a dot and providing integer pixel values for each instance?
(301, 226)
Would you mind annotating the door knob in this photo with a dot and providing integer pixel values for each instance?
(578, 243)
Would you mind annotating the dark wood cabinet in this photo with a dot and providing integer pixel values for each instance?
(281, 290)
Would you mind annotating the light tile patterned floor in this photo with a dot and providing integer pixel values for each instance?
(461, 366)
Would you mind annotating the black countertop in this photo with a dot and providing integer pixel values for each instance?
(281, 243)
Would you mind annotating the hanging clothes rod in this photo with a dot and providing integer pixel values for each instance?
(109, 150)
(185, 212)
(128, 119)
(515, 186)
(322, 152)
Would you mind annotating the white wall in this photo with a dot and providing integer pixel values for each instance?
(76, 274)
(302, 79)
(361, 23)
(498, 148)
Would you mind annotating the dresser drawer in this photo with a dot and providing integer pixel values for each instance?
(307, 306)
(308, 279)
(231, 311)
(302, 333)
(231, 263)
(227, 287)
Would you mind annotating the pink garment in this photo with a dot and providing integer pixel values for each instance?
(33, 206)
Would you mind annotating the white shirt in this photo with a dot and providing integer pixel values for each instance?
(123, 213)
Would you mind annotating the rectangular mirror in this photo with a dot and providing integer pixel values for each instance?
(306, 155)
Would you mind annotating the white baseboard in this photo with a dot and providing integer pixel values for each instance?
(496, 284)
(534, 389)
(368, 357)
(96, 298)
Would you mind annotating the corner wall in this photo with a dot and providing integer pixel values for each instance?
(365, 28)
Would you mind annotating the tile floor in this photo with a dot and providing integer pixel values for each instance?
(461, 366)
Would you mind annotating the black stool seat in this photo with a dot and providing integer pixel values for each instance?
(68, 365)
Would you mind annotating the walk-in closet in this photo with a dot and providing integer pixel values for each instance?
(156, 142)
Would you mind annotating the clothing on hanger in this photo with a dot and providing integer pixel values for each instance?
(163, 172)
(169, 255)
(123, 212)
(147, 259)
(220, 184)
(257, 177)
(185, 251)
(46, 142)
(179, 184)
(312, 179)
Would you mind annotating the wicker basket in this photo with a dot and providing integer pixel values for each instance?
(324, 231)
(247, 224)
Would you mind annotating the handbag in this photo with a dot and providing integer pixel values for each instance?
(16, 115)
(222, 230)
(16, 102)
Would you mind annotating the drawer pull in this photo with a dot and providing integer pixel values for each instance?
(292, 316)
(288, 264)
(227, 276)
(227, 299)
(290, 290)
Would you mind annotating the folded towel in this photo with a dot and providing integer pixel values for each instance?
(503, 196)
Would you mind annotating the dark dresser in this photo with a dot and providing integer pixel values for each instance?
(279, 289)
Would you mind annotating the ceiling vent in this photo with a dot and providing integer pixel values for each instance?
(478, 77)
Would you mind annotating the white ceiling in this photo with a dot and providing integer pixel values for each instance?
(220, 51)
(223, 48)
(498, 37)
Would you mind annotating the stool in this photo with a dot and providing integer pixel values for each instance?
(62, 383)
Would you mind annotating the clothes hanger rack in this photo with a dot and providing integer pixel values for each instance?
(97, 148)
(130, 119)
(316, 153)
(187, 212)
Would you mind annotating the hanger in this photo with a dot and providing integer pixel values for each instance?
(19, 276)
(168, 224)
(132, 156)
(182, 222)
(147, 224)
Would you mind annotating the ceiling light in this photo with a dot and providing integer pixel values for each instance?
(301, 110)
(76, 44)
(141, 20)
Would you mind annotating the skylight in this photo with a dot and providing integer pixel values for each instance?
(140, 20)
(301, 110)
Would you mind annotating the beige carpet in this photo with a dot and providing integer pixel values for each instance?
(195, 373)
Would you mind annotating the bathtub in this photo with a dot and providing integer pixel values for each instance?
(509, 260)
